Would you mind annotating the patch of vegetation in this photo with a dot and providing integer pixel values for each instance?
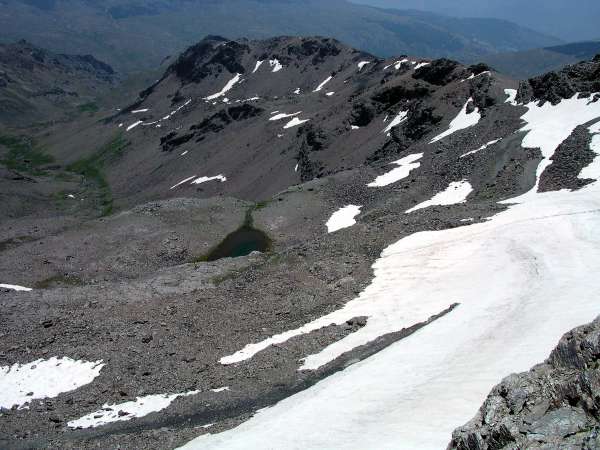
(23, 156)
(92, 169)
(59, 280)
(90, 107)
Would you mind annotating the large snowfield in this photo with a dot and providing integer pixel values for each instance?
(521, 280)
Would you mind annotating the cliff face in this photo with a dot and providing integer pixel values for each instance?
(554, 405)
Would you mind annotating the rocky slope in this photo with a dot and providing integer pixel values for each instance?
(554, 405)
(37, 85)
(259, 187)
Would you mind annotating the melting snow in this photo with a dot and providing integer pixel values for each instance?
(230, 84)
(295, 122)
(483, 147)
(44, 379)
(183, 181)
(460, 122)
(133, 125)
(276, 65)
(405, 166)
(141, 407)
(14, 287)
(593, 170)
(258, 64)
(284, 115)
(201, 180)
(342, 218)
(401, 117)
(362, 64)
(549, 125)
(456, 192)
(322, 85)
(512, 96)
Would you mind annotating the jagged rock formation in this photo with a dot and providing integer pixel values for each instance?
(554, 405)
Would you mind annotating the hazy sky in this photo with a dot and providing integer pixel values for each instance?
(569, 20)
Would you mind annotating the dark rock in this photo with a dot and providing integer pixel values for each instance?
(555, 405)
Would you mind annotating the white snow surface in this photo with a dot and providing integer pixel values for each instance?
(593, 170)
(140, 111)
(400, 117)
(275, 64)
(183, 181)
(421, 64)
(405, 166)
(283, 115)
(549, 125)
(230, 84)
(258, 64)
(512, 96)
(460, 122)
(44, 379)
(295, 122)
(201, 180)
(140, 407)
(456, 192)
(322, 85)
(329, 94)
(362, 64)
(297, 91)
(483, 147)
(133, 125)
(14, 287)
(414, 393)
(343, 218)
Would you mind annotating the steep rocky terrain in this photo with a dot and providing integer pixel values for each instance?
(134, 35)
(554, 405)
(275, 221)
(37, 85)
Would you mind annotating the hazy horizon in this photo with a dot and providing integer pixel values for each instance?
(566, 20)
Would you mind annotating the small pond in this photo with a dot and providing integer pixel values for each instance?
(241, 242)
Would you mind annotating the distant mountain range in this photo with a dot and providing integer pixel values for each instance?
(528, 63)
(37, 85)
(139, 34)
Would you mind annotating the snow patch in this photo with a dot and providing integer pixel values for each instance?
(329, 94)
(512, 96)
(483, 147)
(275, 64)
(22, 383)
(297, 91)
(343, 218)
(322, 85)
(405, 166)
(362, 64)
(460, 122)
(456, 192)
(140, 111)
(140, 407)
(294, 123)
(401, 117)
(593, 169)
(284, 115)
(201, 180)
(14, 287)
(421, 64)
(230, 84)
(183, 181)
(258, 64)
(133, 125)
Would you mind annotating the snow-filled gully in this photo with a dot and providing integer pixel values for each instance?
(517, 294)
